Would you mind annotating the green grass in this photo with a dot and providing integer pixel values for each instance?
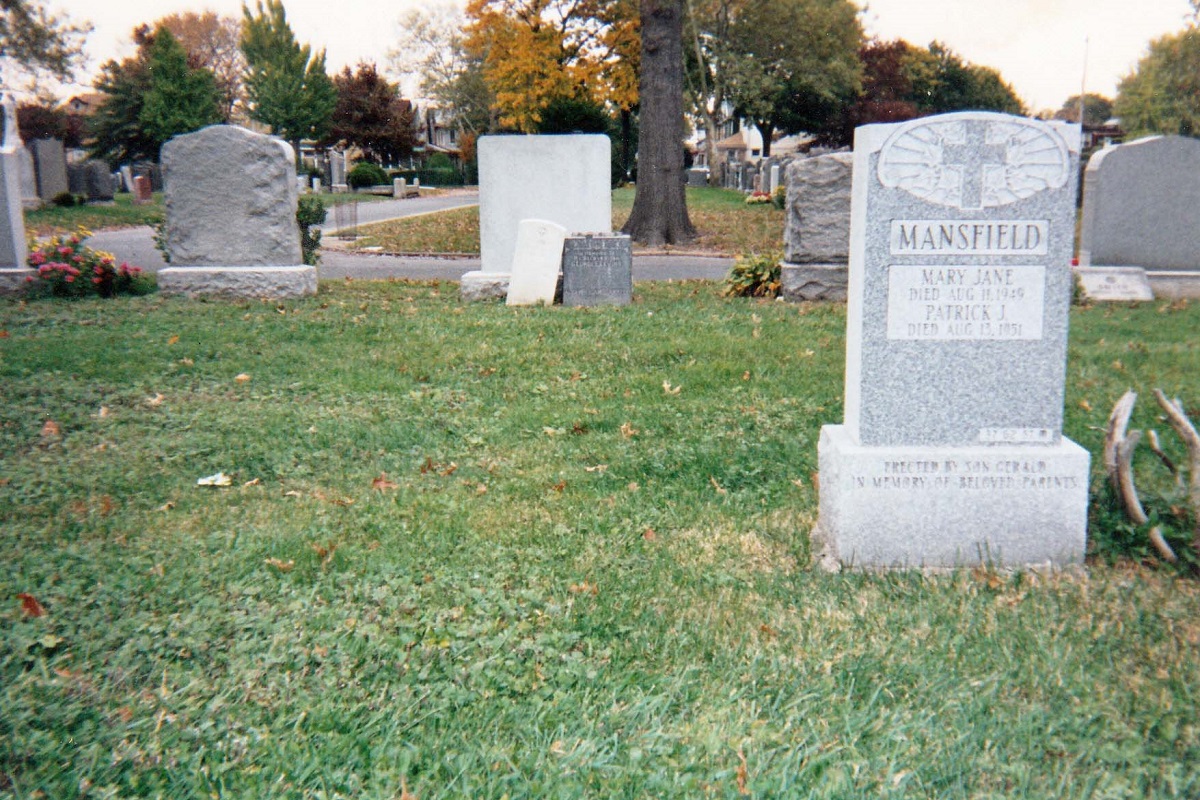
(122, 213)
(485, 552)
(727, 226)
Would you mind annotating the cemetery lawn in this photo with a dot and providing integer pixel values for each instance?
(476, 551)
(726, 224)
(122, 213)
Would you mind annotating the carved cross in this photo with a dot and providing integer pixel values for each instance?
(972, 158)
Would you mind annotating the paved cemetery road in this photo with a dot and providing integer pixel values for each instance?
(136, 245)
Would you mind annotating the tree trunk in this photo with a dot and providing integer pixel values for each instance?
(767, 131)
(659, 207)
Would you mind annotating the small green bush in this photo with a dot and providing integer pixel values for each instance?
(366, 174)
(67, 200)
(310, 212)
(779, 197)
(754, 276)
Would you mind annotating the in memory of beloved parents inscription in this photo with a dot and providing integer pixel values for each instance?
(961, 236)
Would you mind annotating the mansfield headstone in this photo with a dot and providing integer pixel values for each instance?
(536, 262)
(597, 270)
(1141, 208)
(15, 272)
(50, 164)
(816, 229)
(952, 452)
(231, 216)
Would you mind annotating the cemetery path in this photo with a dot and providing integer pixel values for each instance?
(136, 245)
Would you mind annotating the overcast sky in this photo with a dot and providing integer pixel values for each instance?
(1037, 45)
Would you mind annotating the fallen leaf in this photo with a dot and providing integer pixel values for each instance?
(1085, 405)
(155, 401)
(754, 334)
(5, 481)
(669, 389)
(768, 631)
(746, 375)
(173, 340)
(382, 483)
(481, 489)
(4, 334)
(219, 479)
(405, 794)
(1118, 366)
(561, 485)
(166, 506)
(716, 485)
(241, 377)
(798, 482)
(601, 468)
(557, 748)
(187, 362)
(743, 774)
(584, 588)
(106, 505)
(815, 478)
(254, 482)
(633, 486)
(51, 428)
(628, 431)
(282, 566)
(552, 431)
(125, 713)
(755, 318)
(578, 429)
(103, 412)
(292, 493)
(31, 606)
(649, 535)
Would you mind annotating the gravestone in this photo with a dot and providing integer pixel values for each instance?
(952, 452)
(50, 165)
(29, 195)
(337, 171)
(697, 176)
(231, 216)
(92, 179)
(816, 228)
(127, 177)
(597, 270)
(1141, 208)
(562, 179)
(76, 179)
(536, 262)
(15, 272)
(143, 192)
(1114, 283)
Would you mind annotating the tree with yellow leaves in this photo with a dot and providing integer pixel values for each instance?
(535, 52)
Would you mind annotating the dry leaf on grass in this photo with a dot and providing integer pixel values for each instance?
(282, 566)
(382, 483)
(241, 377)
(601, 468)
(628, 431)
(717, 486)
(155, 401)
(51, 428)
(219, 479)
(30, 606)
(668, 389)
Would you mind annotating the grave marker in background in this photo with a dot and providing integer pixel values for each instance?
(536, 262)
(14, 268)
(951, 452)
(597, 270)
(816, 229)
(1141, 208)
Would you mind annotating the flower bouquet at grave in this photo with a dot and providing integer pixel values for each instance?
(757, 198)
(67, 268)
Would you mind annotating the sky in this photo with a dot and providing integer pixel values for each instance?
(1038, 46)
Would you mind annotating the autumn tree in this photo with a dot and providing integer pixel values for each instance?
(286, 84)
(44, 121)
(536, 51)
(212, 42)
(1097, 109)
(371, 115)
(36, 42)
(178, 99)
(1162, 94)
(431, 47)
(659, 213)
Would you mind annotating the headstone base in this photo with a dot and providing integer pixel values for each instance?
(1114, 283)
(911, 507)
(15, 280)
(253, 282)
(808, 282)
(478, 285)
(1175, 285)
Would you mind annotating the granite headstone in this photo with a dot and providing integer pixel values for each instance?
(1114, 283)
(1141, 208)
(231, 216)
(15, 272)
(50, 164)
(597, 270)
(816, 228)
(952, 452)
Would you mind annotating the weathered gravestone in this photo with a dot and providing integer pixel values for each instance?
(536, 262)
(231, 216)
(1141, 208)
(15, 272)
(92, 179)
(597, 270)
(29, 193)
(952, 450)
(50, 164)
(143, 191)
(816, 229)
(562, 179)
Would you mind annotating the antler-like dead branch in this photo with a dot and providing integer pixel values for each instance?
(1118, 421)
(1187, 431)
(1118, 462)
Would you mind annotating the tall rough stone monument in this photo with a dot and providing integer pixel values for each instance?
(816, 228)
(231, 216)
(15, 272)
(952, 452)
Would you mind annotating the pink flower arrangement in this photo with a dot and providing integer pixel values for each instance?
(60, 260)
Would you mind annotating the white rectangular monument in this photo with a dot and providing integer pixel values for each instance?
(952, 452)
